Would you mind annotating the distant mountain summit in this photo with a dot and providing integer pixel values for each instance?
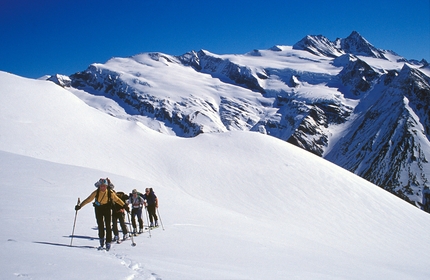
(361, 107)
(354, 44)
(319, 45)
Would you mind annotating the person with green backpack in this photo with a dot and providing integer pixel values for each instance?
(104, 197)
(118, 215)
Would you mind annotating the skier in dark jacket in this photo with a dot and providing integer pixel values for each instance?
(118, 215)
(151, 203)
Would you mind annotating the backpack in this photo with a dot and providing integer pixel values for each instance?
(139, 195)
(150, 197)
(130, 195)
(121, 195)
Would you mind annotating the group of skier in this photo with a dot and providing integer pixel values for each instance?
(110, 207)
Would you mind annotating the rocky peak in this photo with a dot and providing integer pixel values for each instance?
(318, 45)
(354, 44)
(357, 45)
(60, 80)
(191, 59)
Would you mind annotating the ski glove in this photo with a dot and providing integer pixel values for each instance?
(77, 207)
(126, 207)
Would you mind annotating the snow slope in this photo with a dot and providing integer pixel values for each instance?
(235, 205)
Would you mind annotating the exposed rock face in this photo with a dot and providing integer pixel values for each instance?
(388, 144)
(61, 80)
(319, 45)
(358, 76)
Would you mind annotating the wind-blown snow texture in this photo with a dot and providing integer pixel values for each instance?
(235, 205)
(365, 109)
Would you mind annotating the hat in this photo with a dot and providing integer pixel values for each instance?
(134, 191)
(101, 182)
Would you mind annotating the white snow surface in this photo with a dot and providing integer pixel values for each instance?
(234, 205)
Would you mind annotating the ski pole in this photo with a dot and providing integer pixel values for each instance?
(74, 223)
(129, 225)
(147, 222)
(159, 217)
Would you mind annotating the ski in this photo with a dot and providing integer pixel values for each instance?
(117, 240)
(103, 248)
(145, 230)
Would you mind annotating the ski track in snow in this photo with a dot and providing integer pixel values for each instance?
(139, 271)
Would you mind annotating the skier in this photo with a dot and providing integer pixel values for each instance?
(118, 216)
(137, 202)
(103, 196)
(151, 204)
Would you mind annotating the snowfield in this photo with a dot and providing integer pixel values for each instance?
(234, 205)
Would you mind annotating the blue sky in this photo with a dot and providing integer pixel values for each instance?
(48, 37)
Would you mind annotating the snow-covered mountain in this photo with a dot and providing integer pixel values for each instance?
(234, 205)
(363, 108)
